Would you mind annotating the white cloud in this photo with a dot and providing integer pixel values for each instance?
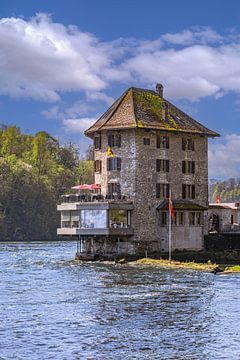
(224, 157)
(97, 95)
(202, 35)
(77, 125)
(41, 59)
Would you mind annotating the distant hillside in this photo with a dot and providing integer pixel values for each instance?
(228, 190)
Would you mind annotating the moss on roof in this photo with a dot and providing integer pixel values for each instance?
(141, 108)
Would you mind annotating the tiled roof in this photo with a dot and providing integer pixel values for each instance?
(180, 205)
(140, 108)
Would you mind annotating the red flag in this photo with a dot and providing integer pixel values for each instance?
(171, 211)
(217, 199)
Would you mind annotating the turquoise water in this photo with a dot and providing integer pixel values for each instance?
(54, 308)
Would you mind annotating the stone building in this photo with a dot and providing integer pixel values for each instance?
(222, 218)
(144, 148)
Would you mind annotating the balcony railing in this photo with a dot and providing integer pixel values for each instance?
(73, 198)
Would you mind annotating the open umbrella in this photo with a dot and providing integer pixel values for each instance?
(82, 187)
(87, 187)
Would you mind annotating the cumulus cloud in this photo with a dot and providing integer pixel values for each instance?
(202, 35)
(224, 157)
(41, 59)
(77, 125)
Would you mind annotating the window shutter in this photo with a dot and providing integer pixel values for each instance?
(192, 147)
(119, 164)
(184, 144)
(184, 191)
(193, 191)
(167, 190)
(158, 165)
(118, 188)
(158, 141)
(119, 140)
(193, 167)
(167, 142)
(184, 167)
(158, 190)
(100, 142)
(100, 166)
(95, 165)
(167, 165)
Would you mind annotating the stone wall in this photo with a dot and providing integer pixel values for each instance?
(127, 153)
(138, 178)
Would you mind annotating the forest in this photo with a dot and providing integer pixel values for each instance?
(226, 190)
(35, 170)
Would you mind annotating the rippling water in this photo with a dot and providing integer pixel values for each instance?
(54, 308)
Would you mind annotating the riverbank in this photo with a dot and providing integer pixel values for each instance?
(207, 267)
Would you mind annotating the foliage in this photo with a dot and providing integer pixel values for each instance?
(34, 172)
(228, 190)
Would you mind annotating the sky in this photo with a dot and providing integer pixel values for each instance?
(62, 64)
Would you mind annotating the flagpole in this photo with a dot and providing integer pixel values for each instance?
(169, 229)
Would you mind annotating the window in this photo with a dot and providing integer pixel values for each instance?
(188, 167)
(199, 218)
(146, 141)
(178, 218)
(162, 142)
(187, 144)
(114, 164)
(195, 218)
(97, 142)
(162, 165)
(114, 140)
(188, 191)
(118, 218)
(66, 224)
(162, 190)
(114, 189)
(98, 166)
(192, 218)
(75, 224)
(93, 219)
(163, 218)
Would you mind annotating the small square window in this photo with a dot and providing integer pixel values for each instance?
(146, 141)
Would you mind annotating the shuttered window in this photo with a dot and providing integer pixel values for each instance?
(98, 166)
(114, 164)
(162, 142)
(187, 144)
(162, 165)
(162, 190)
(188, 191)
(114, 140)
(188, 167)
(97, 142)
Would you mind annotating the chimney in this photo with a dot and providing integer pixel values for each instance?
(159, 89)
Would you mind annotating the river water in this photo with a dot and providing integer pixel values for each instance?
(53, 308)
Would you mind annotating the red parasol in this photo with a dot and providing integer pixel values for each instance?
(86, 187)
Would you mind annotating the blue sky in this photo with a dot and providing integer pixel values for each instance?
(63, 63)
